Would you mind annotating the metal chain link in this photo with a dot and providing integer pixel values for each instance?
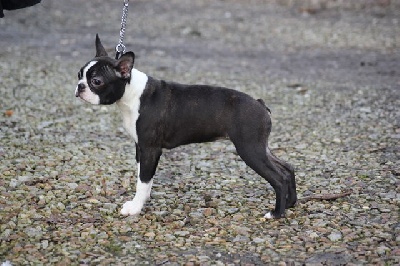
(120, 48)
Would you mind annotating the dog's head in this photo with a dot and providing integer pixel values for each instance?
(103, 79)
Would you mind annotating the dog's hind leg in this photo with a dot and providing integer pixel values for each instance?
(287, 170)
(255, 156)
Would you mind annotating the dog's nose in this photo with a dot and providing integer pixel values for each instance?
(79, 89)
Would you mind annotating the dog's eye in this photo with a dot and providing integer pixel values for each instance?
(96, 82)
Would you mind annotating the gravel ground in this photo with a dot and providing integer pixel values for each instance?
(328, 70)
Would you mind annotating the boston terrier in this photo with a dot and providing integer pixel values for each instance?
(158, 114)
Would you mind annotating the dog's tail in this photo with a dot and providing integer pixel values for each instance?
(263, 103)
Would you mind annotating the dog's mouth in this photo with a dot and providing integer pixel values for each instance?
(79, 95)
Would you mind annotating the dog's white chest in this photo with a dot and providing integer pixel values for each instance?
(129, 121)
(130, 102)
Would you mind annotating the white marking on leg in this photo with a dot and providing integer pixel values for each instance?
(268, 215)
(135, 206)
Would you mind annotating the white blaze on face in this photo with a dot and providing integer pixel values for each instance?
(87, 95)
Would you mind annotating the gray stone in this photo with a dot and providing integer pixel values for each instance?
(335, 236)
(181, 233)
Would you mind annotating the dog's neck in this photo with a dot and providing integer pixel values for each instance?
(129, 104)
(133, 90)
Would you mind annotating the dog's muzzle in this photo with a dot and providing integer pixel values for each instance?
(79, 89)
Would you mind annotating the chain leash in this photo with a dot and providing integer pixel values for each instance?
(120, 48)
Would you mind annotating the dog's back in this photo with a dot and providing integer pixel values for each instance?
(185, 114)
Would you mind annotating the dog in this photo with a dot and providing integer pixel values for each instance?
(163, 115)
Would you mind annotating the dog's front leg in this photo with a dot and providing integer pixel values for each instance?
(147, 164)
(134, 207)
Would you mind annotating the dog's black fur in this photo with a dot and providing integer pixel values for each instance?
(173, 114)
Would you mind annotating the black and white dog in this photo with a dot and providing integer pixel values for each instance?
(159, 114)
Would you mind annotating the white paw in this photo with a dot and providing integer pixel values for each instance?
(131, 208)
(268, 215)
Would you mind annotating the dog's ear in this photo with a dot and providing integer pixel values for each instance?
(124, 65)
(100, 51)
